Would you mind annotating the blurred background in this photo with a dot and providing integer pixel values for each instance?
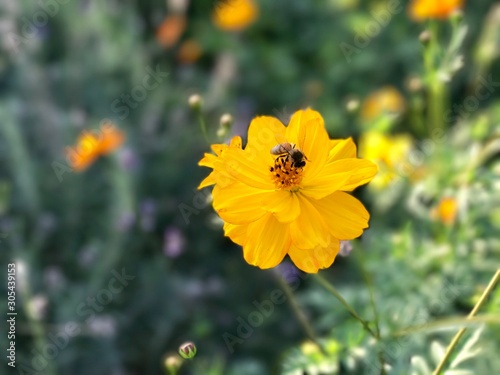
(120, 259)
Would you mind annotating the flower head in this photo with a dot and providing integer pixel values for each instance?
(234, 15)
(286, 191)
(427, 9)
(446, 210)
(89, 146)
(386, 100)
(170, 30)
(389, 152)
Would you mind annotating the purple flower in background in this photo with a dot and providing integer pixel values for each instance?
(148, 215)
(54, 278)
(287, 271)
(125, 222)
(128, 159)
(173, 242)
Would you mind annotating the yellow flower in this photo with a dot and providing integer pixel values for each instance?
(383, 101)
(390, 153)
(446, 210)
(90, 146)
(274, 205)
(234, 15)
(427, 9)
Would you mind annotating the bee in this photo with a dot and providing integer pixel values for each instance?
(288, 150)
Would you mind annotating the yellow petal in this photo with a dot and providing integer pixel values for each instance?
(209, 180)
(363, 173)
(345, 216)
(307, 131)
(312, 260)
(218, 148)
(264, 133)
(343, 174)
(342, 149)
(267, 242)
(283, 204)
(244, 166)
(237, 233)
(235, 142)
(309, 230)
(334, 178)
(238, 203)
(208, 160)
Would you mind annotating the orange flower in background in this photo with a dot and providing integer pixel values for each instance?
(446, 210)
(386, 100)
(234, 15)
(278, 198)
(111, 138)
(90, 146)
(189, 52)
(170, 30)
(431, 9)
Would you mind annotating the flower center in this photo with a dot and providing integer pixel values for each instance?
(285, 173)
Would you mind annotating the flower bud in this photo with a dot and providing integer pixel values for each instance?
(226, 120)
(425, 37)
(414, 84)
(172, 363)
(187, 350)
(195, 102)
(352, 105)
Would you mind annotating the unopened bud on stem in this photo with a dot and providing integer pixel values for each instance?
(187, 350)
(195, 102)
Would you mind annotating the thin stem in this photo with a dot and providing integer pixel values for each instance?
(203, 125)
(460, 333)
(367, 280)
(337, 295)
(300, 314)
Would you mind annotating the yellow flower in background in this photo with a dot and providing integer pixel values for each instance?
(431, 9)
(386, 100)
(89, 146)
(294, 202)
(389, 152)
(446, 210)
(234, 15)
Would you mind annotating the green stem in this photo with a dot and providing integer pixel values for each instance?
(460, 333)
(436, 88)
(367, 280)
(337, 295)
(203, 125)
(121, 206)
(300, 314)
